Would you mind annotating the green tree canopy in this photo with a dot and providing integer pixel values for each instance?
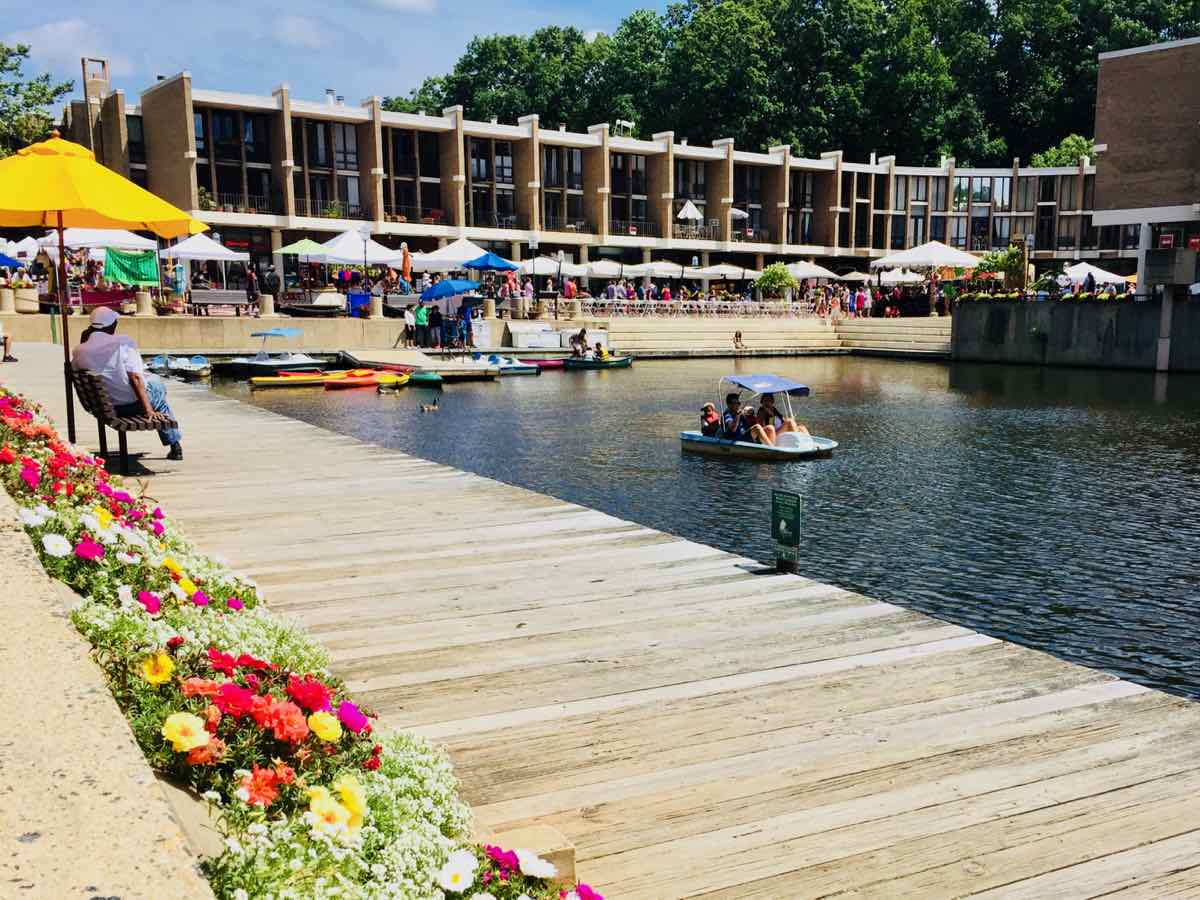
(24, 101)
(981, 80)
(775, 279)
(1066, 153)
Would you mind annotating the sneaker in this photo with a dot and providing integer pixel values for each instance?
(10, 359)
(176, 452)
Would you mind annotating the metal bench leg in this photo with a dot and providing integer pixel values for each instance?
(124, 452)
(103, 440)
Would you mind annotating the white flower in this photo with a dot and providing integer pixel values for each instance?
(129, 559)
(483, 895)
(178, 591)
(240, 894)
(524, 897)
(44, 511)
(458, 873)
(242, 794)
(295, 865)
(56, 545)
(125, 594)
(30, 518)
(92, 523)
(211, 796)
(534, 866)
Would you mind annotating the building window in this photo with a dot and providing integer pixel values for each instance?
(920, 188)
(229, 183)
(258, 187)
(348, 191)
(506, 207)
(256, 136)
(862, 226)
(898, 233)
(1001, 233)
(916, 229)
(747, 185)
(1089, 191)
(318, 145)
(481, 206)
(800, 191)
(137, 139)
(1026, 193)
(879, 232)
(958, 232)
(863, 187)
(201, 133)
(552, 174)
(1089, 234)
(320, 193)
(900, 195)
(503, 156)
(1002, 196)
(1021, 226)
(431, 165)
(1044, 235)
(618, 165)
(937, 229)
(1068, 232)
(226, 144)
(481, 163)
(981, 190)
(962, 194)
(574, 169)
(843, 229)
(345, 146)
(404, 152)
(1067, 197)
(940, 185)
(1046, 188)
(979, 227)
(637, 172)
(690, 179)
(847, 189)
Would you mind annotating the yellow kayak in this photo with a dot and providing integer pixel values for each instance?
(371, 379)
(311, 379)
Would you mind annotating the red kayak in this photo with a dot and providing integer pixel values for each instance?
(544, 363)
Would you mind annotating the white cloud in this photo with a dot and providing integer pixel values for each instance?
(59, 45)
(297, 31)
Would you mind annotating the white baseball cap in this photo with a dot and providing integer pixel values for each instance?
(103, 316)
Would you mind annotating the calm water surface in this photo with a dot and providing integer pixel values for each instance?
(1056, 508)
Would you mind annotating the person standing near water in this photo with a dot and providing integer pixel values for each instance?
(421, 320)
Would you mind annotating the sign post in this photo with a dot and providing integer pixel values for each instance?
(786, 508)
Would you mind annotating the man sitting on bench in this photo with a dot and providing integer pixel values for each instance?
(117, 363)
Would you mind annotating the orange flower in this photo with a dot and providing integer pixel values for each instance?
(262, 786)
(212, 718)
(210, 754)
(288, 723)
(200, 687)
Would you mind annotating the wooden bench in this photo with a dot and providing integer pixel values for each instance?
(93, 396)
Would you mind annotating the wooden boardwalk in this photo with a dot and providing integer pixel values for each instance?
(694, 727)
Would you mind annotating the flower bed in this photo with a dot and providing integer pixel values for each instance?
(1012, 296)
(237, 703)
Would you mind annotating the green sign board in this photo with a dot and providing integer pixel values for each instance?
(785, 518)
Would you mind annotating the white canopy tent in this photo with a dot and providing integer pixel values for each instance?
(727, 272)
(662, 268)
(351, 247)
(1079, 272)
(607, 268)
(26, 247)
(549, 265)
(202, 247)
(689, 210)
(738, 213)
(450, 258)
(88, 238)
(900, 276)
(930, 255)
(854, 276)
(804, 269)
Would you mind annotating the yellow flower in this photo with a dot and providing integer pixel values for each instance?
(185, 732)
(325, 725)
(189, 586)
(328, 815)
(157, 669)
(172, 566)
(103, 516)
(351, 794)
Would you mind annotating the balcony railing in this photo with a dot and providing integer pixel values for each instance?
(696, 191)
(240, 203)
(331, 209)
(421, 215)
(502, 220)
(697, 231)
(560, 223)
(633, 227)
(759, 235)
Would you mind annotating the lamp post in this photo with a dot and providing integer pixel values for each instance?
(558, 283)
(216, 236)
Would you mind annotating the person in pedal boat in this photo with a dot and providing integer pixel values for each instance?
(710, 422)
(735, 423)
(772, 423)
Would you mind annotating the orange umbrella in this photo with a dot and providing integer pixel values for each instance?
(58, 184)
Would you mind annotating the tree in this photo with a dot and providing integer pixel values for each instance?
(429, 98)
(775, 279)
(1067, 153)
(24, 102)
(1008, 262)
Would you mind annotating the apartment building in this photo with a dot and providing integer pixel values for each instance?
(266, 170)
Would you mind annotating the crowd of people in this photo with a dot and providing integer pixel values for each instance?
(427, 327)
(741, 422)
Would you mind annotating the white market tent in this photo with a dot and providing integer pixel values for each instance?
(804, 269)
(352, 247)
(27, 247)
(900, 276)
(89, 238)
(930, 255)
(202, 247)
(662, 268)
(450, 258)
(690, 211)
(728, 272)
(854, 276)
(549, 265)
(606, 268)
(1079, 272)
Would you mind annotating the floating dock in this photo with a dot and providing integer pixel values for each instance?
(462, 368)
(695, 726)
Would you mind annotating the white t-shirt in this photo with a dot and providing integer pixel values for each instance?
(112, 357)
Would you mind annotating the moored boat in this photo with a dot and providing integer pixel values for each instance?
(556, 363)
(374, 379)
(613, 362)
(194, 368)
(507, 365)
(263, 363)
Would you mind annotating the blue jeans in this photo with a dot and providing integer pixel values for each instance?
(156, 391)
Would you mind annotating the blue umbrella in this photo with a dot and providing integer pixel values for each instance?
(448, 287)
(492, 263)
(9, 263)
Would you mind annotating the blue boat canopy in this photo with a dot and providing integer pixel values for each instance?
(768, 384)
(277, 332)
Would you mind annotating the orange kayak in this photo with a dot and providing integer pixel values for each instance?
(374, 379)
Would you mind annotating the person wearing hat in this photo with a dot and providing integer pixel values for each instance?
(116, 361)
(6, 342)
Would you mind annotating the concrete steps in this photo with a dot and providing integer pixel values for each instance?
(899, 336)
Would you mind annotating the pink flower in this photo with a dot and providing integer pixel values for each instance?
(157, 527)
(32, 477)
(309, 692)
(235, 603)
(150, 602)
(352, 717)
(200, 598)
(586, 893)
(89, 549)
(158, 513)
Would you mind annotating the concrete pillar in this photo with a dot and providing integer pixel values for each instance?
(596, 184)
(145, 304)
(276, 256)
(376, 307)
(453, 167)
(266, 306)
(1162, 361)
(8, 300)
(758, 261)
(489, 308)
(543, 308)
(1145, 237)
(574, 309)
(283, 164)
(514, 251)
(720, 189)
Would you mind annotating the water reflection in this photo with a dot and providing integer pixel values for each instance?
(1058, 508)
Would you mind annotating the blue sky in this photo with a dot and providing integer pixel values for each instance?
(357, 47)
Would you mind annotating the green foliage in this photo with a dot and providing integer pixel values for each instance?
(1067, 153)
(775, 279)
(978, 80)
(24, 101)
(1007, 262)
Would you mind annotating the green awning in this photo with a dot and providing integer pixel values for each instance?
(131, 268)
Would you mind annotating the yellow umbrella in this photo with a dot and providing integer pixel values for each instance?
(58, 184)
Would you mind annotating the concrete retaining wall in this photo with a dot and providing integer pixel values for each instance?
(1102, 334)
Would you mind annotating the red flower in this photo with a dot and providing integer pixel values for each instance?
(7, 456)
(308, 692)
(262, 785)
(234, 700)
(260, 709)
(222, 662)
(371, 763)
(175, 643)
(288, 722)
(210, 753)
(246, 661)
(285, 773)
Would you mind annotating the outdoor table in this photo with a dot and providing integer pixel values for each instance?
(202, 301)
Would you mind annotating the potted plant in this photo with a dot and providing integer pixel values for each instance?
(775, 281)
(204, 198)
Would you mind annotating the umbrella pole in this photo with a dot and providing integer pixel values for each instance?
(62, 310)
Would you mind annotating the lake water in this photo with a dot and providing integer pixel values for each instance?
(1057, 508)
